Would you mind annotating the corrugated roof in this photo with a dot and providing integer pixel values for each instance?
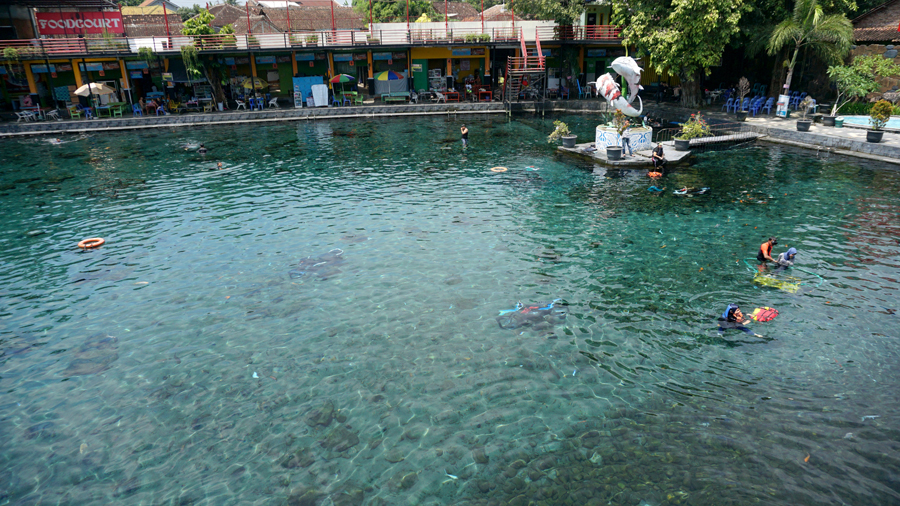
(877, 34)
(456, 10)
(227, 14)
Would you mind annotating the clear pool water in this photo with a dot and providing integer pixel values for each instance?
(220, 349)
(867, 121)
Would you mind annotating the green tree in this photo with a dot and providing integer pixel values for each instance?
(564, 12)
(829, 36)
(858, 79)
(487, 4)
(681, 37)
(130, 3)
(187, 13)
(386, 11)
(194, 63)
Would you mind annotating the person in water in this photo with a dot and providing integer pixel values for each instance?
(465, 136)
(202, 150)
(786, 259)
(765, 251)
(733, 318)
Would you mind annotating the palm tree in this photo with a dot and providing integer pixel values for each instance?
(829, 36)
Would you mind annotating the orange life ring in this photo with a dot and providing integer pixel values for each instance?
(498, 169)
(654, 174)
(93, 242)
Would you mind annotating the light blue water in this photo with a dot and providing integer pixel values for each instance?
(867, 121)
(219, 349)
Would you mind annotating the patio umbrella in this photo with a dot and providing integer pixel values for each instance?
(341, 78)
(388, 75)
(94, 89)
(255, 82)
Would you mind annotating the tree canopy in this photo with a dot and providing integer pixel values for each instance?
(199, 24)
(564, 12)
(829, 36)
(681, 37)
(386, 11)
(859, 78)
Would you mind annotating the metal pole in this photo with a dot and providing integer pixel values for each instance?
(370, 15)
(512, 12)
(446, 24)
(332, 18)
(482, 16)
(166, 19)
(249, 28)
(407, 16)
(287, 5)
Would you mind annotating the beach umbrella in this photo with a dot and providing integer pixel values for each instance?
(94, 89)
(342, 78)
(388, 75)
(254, 83)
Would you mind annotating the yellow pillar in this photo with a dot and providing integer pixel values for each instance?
(122, 69)
(78, 81)
(330, 65)
(253, 67)
(371, 67)
(450, 67)
(32, 86)
(165, 64)
(294, 62)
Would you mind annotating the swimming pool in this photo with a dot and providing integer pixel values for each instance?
(867, 121)
(318, 322)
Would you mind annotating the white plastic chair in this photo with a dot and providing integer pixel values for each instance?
(439, 97)
(26, 115)
(54, 114)
(273, 102)
(241, 105)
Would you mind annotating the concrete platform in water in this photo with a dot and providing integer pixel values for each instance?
(640, 160)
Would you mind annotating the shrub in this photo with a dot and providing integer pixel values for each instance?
(562, 130)
(880, 114)
(694, 127)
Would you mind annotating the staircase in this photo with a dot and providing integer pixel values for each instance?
(526, 75)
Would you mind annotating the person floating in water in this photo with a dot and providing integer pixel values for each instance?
(765, 251)
(786, 259)
(733, 318)
(465, 136)
(202, 150)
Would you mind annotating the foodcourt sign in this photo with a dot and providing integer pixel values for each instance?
(73, 23)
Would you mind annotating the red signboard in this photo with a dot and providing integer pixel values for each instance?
(73, 23)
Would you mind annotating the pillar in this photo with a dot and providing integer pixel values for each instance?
(294, 63)
(32, 86)
(78, 81)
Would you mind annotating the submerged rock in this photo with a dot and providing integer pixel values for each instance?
(322, 416)
(302, 458)
(94, 356)
(480, 456)
(340, 439)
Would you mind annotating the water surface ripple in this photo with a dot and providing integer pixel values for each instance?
(318, 323)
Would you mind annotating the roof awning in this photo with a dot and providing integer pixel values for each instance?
(55, 4)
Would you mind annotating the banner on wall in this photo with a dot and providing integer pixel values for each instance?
(265, 59)
(42, 69)
(596, 53)
(78, 23)
(381, 56)
(137, 75)
(461, 51)
(305, 56)
(91, 67)
(342, 57)
(136, 65)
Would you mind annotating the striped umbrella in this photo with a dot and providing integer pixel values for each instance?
(342, 78)
(388, 75)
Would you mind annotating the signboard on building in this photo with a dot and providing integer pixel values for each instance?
(596, 53)
(136, 65)
(78, 23)
(381, 56)
(265, 59)
(342, 57)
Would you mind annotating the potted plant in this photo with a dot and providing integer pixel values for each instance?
(743, 88)
(803, 124)
(880, 114)
(562, 133)
(620, 123)
(693, 128)
(312, 40)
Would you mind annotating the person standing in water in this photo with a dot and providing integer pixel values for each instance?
(765, 251)
(202, 150)
(465, 136)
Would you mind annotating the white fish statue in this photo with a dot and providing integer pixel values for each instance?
(626, 67)
(607, 87)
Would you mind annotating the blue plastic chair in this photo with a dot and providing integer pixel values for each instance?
(563, 92)
(755, 105)
(582, 92)
(768, 105)
(88, 111)
(136, 110)
(347, 100)
(334, 101)
(728, 104)
(161, 110)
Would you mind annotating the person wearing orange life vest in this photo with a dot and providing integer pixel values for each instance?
(765, 251)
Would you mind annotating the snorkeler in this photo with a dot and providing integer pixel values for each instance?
(733, 318)
(786, 259)
(202, 149)
(765, 251)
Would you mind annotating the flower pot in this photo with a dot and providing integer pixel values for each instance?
(828, 120)
(874, 135)
(741, 115)
(682, 144)
(613, 153)
(221, 106)
(569, 141)
(803, 125)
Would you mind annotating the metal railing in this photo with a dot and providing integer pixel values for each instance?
(296, 40)
(724, 135)
(573, 33)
